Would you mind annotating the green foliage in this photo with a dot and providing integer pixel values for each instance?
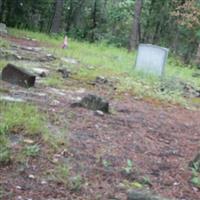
(132, 185)
(106, 163)
(145, 180)
(129, 167)
(61, 174)
(76, 183)
(21, 116)
(54, 80)
(196, 181)
(31, 150)
(2, 64)
(4, 43)
(5, 153)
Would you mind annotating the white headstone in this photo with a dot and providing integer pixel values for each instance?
(3, 29)
(151, 59)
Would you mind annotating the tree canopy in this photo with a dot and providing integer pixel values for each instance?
(170, 23)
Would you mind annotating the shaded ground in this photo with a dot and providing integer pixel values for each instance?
(160, 141)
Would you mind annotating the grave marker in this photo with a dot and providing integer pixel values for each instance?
(151, 59)
(3, 29)
(17, 76)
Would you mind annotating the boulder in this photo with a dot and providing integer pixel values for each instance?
(93, 102)
(3, 29)
(101, 80)
(41, 72)
(65, 72)
(17, 76)
(143, 195)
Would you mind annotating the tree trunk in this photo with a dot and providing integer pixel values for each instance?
(135, 33)
(57, 18)
(94, 21)
(0, 6)
(197, 59)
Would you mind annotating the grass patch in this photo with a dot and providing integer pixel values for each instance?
(3, 63)
(4, 43)
(62, 175)
(21, 116)
(31, 150)
(18, 118)
(54, 80)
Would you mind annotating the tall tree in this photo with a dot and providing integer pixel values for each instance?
(57, 18)
(0, 6)
(188, 18)
(135, 33)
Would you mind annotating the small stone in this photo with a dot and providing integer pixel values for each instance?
(70, 60)
(31, 176)
(96, 126)
(91, 67)
(55, 160)
(18, 187)
(81, 91)
(93, 102)
(143, 195)
(176, 184)
(40, 72)
(65, 72)
(11, 99)
(99, 113)
(64, 152)
(55, 103)
(28, 141)
(101, 80)
(19, 198)
(43, 182)
(18, 57)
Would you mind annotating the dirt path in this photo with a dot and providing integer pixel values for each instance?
(159, 140)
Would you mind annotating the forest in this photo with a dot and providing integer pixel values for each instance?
(170, 23)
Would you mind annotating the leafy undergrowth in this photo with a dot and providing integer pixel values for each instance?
(116, 63)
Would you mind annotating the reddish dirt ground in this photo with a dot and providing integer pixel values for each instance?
(160, 141)
(22, 41)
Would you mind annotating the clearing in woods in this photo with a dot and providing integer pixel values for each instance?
(51, 150)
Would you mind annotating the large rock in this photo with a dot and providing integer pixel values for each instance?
(17, 76)
(65, 72)
(143, 195)
(3, 29)
(93, 102)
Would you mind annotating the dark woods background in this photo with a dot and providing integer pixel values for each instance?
(171, 23)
